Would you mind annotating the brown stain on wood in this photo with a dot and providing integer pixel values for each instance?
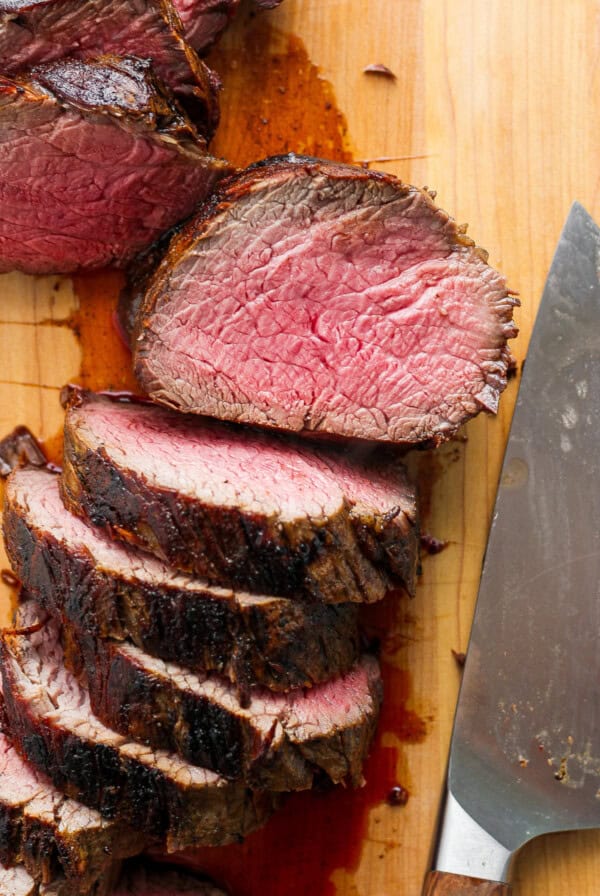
(106, 360)
(281, 103)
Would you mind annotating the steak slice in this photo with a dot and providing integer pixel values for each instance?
(39, 31)
(312, 296)
(204, 20)
(54, 837)
(107, 589)
(105, 135)
(276, 742)
(241, 508)
(52, 724)
(145, 878)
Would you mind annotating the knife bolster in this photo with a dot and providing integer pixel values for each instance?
(440, 883)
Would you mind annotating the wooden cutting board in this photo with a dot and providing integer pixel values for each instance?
(495, 105)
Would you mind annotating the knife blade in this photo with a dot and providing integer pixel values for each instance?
(525, 751)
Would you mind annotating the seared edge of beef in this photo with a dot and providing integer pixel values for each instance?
(126, 88)
(225, 546)
(348, 553)
(156, 792)
(274, 642)
(53, 837)
(43, 31)
(276, 742)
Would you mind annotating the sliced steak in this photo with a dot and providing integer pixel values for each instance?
(105, 135)
(54, 837)
(204, 20)
(313, 296)
(276, 742)
(38, 31)
(145, 878)
(79, 574)
(240, 508)
(157, 792)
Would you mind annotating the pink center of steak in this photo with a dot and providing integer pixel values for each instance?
(216, 464)
(37, 493)
(352, 308)
(79, 191)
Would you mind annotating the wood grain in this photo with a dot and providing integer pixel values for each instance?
(437, 883)
(496, 106)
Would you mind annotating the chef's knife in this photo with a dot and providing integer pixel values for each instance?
(525, 754)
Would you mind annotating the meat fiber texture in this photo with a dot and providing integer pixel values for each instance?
(275, 742)
(157, 792)
(147, 879)
(39, 31)
(317, 297)
(239, 507)
(107, 589)
(18, 882)
(95, 162)
(55, 838)
(204, 20)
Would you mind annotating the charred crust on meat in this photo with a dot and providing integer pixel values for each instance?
(348, 555)
(166, 708)
(277, 643)
(156, 794)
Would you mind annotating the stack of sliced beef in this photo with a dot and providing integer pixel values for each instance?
(186, 647)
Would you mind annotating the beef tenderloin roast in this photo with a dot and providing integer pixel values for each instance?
(276, 742)
(56, 838)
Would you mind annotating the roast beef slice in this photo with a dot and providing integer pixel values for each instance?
(241, 508)
(156, 792)
(33, 32)
(317, 297)
(79, 574)
(276, 742)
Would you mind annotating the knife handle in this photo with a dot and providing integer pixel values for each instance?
(440, 883)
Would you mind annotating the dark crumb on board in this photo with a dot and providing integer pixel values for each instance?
(460, 657)
(9, 578)
(18, 449)
(398, 796)
(432, 545)
(378, 68)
